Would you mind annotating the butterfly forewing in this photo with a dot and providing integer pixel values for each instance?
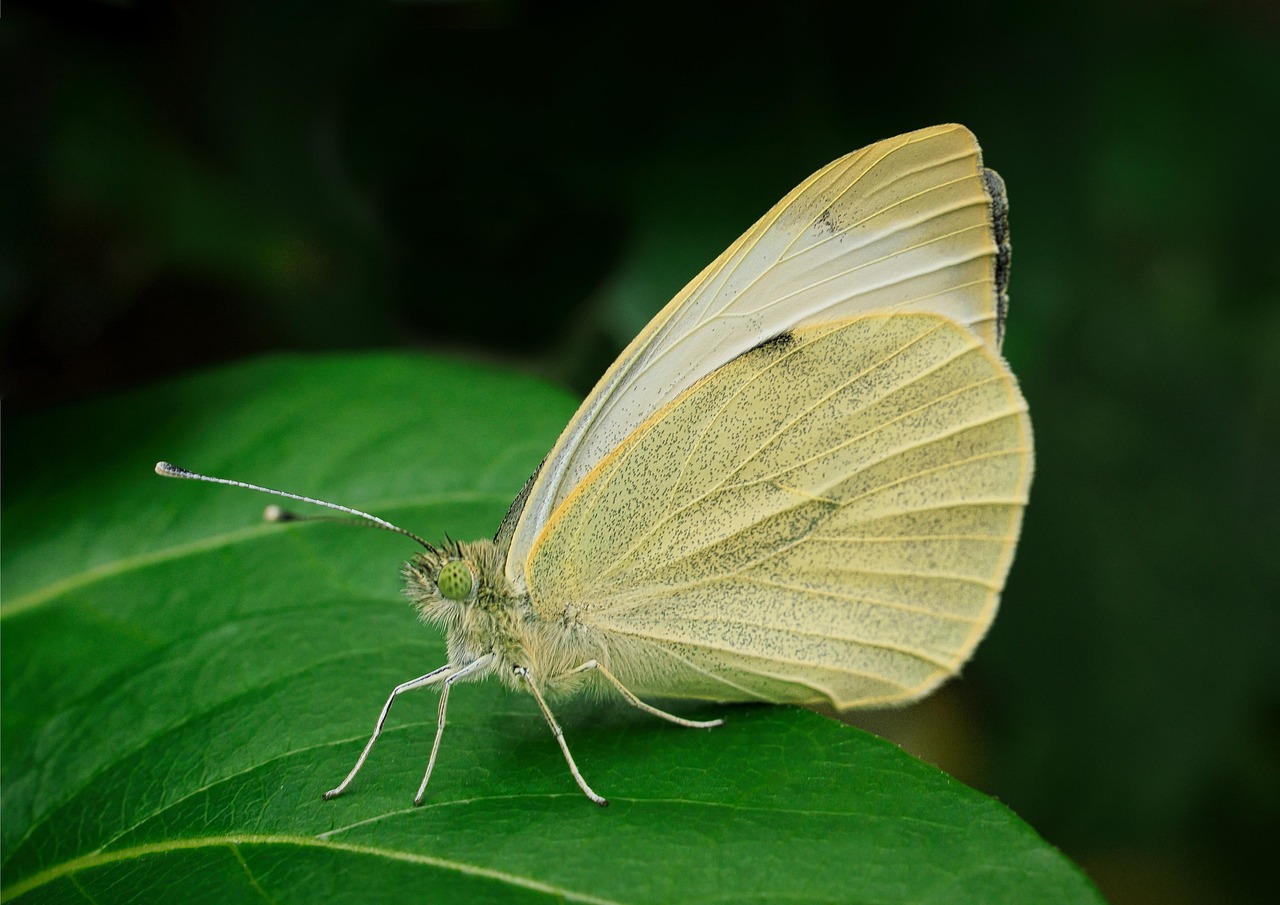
(829, 516)
(905, 225)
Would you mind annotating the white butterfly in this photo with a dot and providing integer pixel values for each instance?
(802, 482)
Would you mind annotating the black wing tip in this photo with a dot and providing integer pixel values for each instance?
(998, 199)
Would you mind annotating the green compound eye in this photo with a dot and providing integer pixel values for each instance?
(455, 580)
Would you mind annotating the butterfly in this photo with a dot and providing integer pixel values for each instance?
(803, 482)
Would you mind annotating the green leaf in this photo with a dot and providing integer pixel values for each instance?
(181, 682)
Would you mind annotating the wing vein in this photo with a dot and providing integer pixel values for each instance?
(890, 356)
(697, 551)
(673, 514)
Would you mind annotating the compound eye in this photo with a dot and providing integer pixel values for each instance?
(455, 580)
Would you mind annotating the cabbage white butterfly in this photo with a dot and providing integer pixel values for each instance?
(803, 482)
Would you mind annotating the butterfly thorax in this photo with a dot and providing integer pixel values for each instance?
(493, 617)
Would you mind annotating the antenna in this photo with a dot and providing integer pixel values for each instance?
(165, 470)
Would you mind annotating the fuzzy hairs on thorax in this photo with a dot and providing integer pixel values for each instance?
(491, 616)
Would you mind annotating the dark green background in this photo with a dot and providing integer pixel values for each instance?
(187, 184)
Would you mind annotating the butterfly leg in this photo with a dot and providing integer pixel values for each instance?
(467, 670)
(523, 673)
(429, 679)
(641, 705)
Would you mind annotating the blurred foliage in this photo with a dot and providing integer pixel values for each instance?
(186, 184)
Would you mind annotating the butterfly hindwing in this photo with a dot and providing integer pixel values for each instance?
(830, 515)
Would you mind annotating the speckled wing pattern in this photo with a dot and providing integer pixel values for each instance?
(828, 517)
(914, 223)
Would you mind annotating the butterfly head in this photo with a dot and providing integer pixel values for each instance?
(461, 587)
(443, 581)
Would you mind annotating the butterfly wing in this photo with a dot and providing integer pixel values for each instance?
(914, 223)
(828, 516)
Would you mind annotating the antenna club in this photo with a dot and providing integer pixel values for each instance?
(166, 470)
(274, 513)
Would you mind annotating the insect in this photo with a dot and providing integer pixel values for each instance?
(803, 482)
